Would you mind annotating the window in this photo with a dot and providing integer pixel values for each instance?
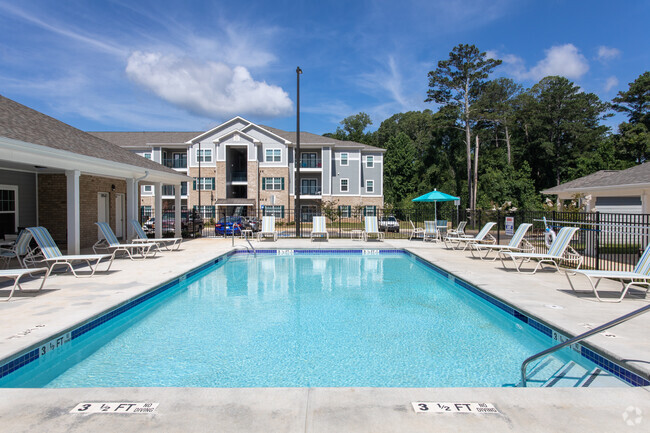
(276, 211)
(204, 183)
(370, 211)
(168, 190)
(147, 155)
(370, 186)
(273, 155)
(206, 212)
(146, 212)
(205, 155)
(370, 161)
(344, 185)
(345, 211)
(273, 183)
(147, 189)
(8, 209)
(344, 159)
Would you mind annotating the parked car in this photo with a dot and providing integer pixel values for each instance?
(149, 225)
(228, 224)
(191, 221)
(389, 224)
(252, 224)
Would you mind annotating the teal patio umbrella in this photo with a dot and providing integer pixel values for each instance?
(435, 196)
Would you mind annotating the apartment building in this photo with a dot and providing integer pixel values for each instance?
(241, 168)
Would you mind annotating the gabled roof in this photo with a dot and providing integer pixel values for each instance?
(25, 125)
(141, 139)
(309, 138)
(637, 176)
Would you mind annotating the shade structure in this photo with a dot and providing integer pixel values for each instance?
(434, 197)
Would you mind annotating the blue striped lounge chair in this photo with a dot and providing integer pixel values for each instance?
(416, 232)
(482, 237)
(555, 253)
(170, 244)
(109, 242)
(52, 256)
(640, 276)
(458, 231)
(17, 274)
(19, 250)
(372, 229)
(268, 228)
(319, 228)
(515, 244)
(431, 232)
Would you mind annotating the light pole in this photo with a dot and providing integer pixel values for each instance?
(297, 161)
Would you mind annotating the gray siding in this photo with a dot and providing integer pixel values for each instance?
(26, 183)
(326, 157)
(350, 172)
(373, 173)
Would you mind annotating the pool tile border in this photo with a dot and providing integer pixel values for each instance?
(33, 353)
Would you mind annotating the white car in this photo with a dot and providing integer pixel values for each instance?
(389, 224)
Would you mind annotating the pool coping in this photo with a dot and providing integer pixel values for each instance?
(608, 361)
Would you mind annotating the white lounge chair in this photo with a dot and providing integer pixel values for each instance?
(170, 244)
(483, 236)
(640, 276)
(372, 229)
(417, 232)
(19, 249)
(109, 241)
(513, 246)
(52, 256)
(319, 228)
(431, 232)
(458, 231)
(268, 228)
(555, 253)
(17, 274)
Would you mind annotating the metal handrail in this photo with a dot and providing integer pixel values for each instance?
(251, 245)
(580, 337)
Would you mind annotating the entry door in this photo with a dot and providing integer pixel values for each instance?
(119, 215)
(102, 209)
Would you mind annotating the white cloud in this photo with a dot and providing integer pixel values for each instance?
(611, 83)
(606, 53)
(211, 89)
(564, 60)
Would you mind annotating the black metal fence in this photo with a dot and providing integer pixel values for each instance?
(606, 241)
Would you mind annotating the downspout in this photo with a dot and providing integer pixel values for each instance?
(136, 184)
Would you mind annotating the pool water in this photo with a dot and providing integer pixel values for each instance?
(339, 320)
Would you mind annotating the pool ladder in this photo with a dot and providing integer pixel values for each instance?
(250, 245)
(580, 337)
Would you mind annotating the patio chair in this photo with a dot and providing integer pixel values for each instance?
(17, 274)
(319, 228)
(458, 231)
(557, 252)
(268, 228)
(166, 243)
(513, 246)
(372, 229)
(18, 250)
(53, 257)
(109, 242)
(482, 237)
(640, 276)
(431, 232)
(416, 232)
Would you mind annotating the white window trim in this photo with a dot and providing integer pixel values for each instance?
(370, 189)
(201, 183)
(347, 188)
(147, 155)
(369, 159)
(273, 183)
(347, 159)
(272, 160)
(16, 204)
(202, 158)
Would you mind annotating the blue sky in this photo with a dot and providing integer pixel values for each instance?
(182, 66)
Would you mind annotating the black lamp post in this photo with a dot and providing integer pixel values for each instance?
(297, 217)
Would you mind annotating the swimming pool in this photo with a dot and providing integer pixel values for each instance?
(296, 319)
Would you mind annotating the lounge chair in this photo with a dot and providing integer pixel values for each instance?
(417, 231)
(640, 276)
(372, 229)
(515, 244)
(53, 257)
(17, 274)
(319, 228)
(166, 243)
(431, 232)
(555, 253)
(109, 241)
(268, 229)
(19, 249)
(458, 231)
(482, 237)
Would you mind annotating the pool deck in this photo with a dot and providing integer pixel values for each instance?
(65, 301)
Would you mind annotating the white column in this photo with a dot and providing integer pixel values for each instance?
(73, 213)
(131, 206)
(177, 211)
(157, 191)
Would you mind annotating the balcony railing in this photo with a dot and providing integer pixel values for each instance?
(175, 162)
(310, 190)
(171, 190)
(238, 176)
(311, 163)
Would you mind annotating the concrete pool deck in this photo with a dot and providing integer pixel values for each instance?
(65, 301)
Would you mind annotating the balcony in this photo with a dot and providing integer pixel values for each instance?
(238, 176)
(310, 190)
(170, 190)
(175, 162)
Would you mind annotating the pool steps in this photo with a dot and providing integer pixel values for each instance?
(552, 373)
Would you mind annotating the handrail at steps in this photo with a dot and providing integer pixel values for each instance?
(249, 244)
(580, 337)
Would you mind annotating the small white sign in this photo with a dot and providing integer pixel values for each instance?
(510, 226)
(436, 407)
(285, 252)
(54, 344)
(370, 252)
(115, 407)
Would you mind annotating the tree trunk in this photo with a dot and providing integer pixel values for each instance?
(508, 144)
(475, 189)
